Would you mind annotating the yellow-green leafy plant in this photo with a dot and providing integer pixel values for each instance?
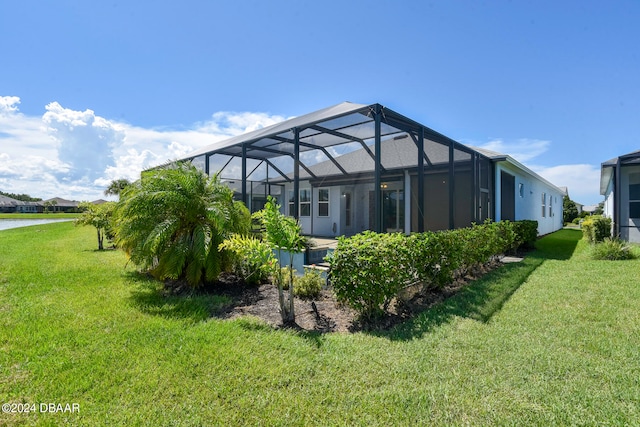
(252, 259)
(309, 285)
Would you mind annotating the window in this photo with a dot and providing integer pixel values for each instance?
(544, 204)
(634, 195)
(550, 208)
(521, 189)
(305, 202)
(323, 202)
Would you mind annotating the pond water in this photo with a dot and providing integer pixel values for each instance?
(6, 224)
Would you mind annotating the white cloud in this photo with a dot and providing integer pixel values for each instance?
(84, 140)
(522, 149)
(76, 154)
(230, 123)
(582, 180)
(9, 104)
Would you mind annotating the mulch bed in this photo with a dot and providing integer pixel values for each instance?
(325, 314)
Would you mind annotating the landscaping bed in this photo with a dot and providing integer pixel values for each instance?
(329, 315)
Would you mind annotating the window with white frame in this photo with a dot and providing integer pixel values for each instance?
(521, 189)
(305, 202)
(323, 202)
(550, 206)
(544, 204)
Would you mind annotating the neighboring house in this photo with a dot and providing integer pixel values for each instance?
(9, 205)
(354, 167)
(620, 185)
(58, 204)
(590, 209)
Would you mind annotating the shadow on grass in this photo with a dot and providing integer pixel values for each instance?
(315, 338)
(559, 245)
(149, 298)
(487, 295)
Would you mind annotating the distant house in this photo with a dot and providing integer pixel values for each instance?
(9, 205)
(620, 185)
(99, 202)
(58, 204)
(354, 167)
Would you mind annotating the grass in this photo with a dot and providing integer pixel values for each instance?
(53, 215)
(552, 340)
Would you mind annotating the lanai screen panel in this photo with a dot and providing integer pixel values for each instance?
(199, 163)
(436, 180)
(336, 146)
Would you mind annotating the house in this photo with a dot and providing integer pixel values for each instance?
(354, 167)
(10, 205)
(58, 204)
(620, 185)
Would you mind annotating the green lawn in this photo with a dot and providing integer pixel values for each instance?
(554, 340)
(52, 215)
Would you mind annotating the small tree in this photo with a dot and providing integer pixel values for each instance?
(569, 210)
(99, 216)
(49, 205)
(282, 233)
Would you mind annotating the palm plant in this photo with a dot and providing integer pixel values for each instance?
(172, 220)
(116, 187)
(283, 233)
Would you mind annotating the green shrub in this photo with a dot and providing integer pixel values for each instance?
(596, 228)
(435, 256)
(507, 236)
(309, 285)
(368, 270)
(526, 233)
(481, 243)
(251, 258)
(611, 249)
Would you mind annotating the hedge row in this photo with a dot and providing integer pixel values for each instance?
(369, 269)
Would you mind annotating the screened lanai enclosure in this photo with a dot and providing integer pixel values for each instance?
(354, 167)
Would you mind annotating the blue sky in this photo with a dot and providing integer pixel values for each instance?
(94, 91)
